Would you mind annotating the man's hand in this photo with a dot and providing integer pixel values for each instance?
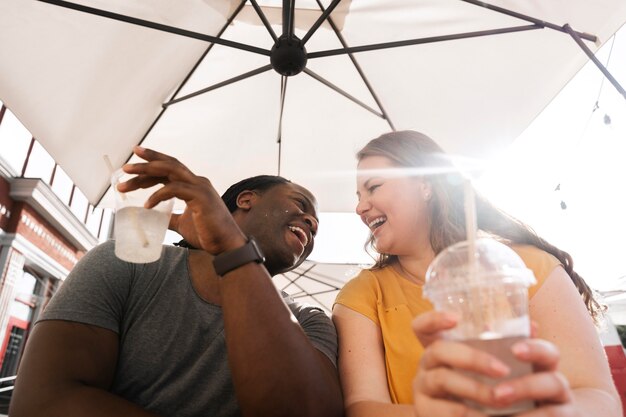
(206, 223)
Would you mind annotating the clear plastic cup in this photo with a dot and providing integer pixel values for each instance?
(488, 291)
(139, 232)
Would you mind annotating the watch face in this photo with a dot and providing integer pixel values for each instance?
(257, 250)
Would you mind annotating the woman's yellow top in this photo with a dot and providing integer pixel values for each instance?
(391, 301)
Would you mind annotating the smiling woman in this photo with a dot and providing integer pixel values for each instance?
(412, 218)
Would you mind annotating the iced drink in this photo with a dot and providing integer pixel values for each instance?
(488, 290)
(139, 232)
(501, 348)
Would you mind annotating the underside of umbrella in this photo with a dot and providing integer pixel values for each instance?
(240, 88)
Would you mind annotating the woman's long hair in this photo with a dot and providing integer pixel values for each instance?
(447, 213)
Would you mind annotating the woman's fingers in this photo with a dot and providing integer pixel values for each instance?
(560, 410)
(545, 384)
(542, 354)
(449, 369)
(460, 356)
(445, 383)
(551, 387)
(426, 406)
(428, 326)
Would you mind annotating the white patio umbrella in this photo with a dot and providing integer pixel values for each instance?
(95, 77)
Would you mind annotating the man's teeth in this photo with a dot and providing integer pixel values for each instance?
(376, 222)
(299, 231)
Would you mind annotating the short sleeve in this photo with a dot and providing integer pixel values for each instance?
(318, 327)
(362, 295)
(540, 262)
(94, 292)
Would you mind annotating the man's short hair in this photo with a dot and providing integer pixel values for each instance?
(258, 183)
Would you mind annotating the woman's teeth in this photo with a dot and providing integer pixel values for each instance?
(376, 222)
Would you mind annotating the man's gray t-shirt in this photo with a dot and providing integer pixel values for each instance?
(172, 352)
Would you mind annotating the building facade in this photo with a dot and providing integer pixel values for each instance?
(46, 225)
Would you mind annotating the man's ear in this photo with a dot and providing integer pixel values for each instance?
(246, 199)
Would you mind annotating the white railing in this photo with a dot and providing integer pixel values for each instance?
(6, 379)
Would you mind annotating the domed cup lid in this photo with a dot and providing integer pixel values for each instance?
(494, 264)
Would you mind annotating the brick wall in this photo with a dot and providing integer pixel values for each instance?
(38, 231)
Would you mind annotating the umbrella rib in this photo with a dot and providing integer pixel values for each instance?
(311, 294)
(302, 289)
(342, 92)
(157, 26)
(300, 275)
(319, 281)
(409, 42)
(183, 83)
(279, 139)
(595, 60)
(323, 276)
(220, 84)
(208, 49)
(288, 16)
(358, 68)
(263, 18)
(319, 21)
(531, 19)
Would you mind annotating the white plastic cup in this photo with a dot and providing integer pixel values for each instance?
(490, 298)
(139, 232)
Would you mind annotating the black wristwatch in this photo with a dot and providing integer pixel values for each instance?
(233, 259)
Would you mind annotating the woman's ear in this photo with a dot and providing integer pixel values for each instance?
(427, 190)
(246, 199)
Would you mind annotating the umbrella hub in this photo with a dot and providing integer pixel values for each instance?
(288, 55)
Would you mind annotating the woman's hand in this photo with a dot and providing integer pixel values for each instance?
(206, 222)
(546, 386)
(439, 387)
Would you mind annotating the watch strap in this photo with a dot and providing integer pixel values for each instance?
(233, 259)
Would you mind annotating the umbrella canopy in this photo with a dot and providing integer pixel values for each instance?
(97, 77)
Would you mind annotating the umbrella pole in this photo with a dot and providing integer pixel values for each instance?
(595, 60)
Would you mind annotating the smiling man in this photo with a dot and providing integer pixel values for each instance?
(202, 331)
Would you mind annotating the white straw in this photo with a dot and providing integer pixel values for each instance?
(107, 161)
(470, 226)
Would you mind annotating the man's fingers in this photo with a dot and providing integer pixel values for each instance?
(190, 193)
(158, 168)
(140, 181)
(151, 154)
(428, 326)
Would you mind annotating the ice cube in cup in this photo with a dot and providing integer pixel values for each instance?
(139, 232)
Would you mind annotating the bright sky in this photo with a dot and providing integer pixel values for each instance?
(568, 144)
